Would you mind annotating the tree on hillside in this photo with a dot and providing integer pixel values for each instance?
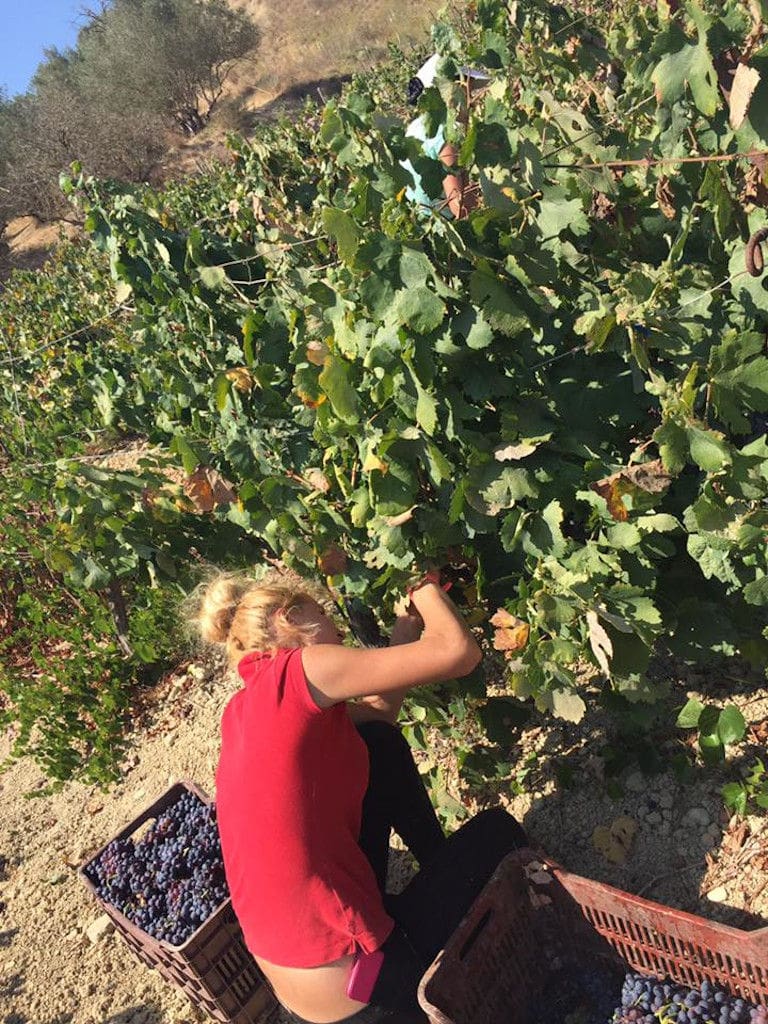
(138, 67)
(165, 57)
(54, 124)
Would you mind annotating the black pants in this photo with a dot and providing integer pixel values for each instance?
(395, 800)
(452, 871)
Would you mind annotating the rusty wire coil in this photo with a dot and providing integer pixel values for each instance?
(754, 253)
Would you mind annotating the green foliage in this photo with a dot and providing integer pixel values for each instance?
(169, 58)
(750, 794)
(67, 690)
(565, 391)
(717, 728)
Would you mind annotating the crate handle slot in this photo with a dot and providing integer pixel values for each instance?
(474, 935)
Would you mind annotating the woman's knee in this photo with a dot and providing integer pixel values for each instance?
(500, 827)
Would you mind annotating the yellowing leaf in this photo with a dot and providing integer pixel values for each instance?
(309, 401)
(372, 461)
(333, 560)
(665, 197)
(650, 477)
(513, 452)
(511, 640)
(241, 377)
(402, 518)
(614, 841)
(123, 292)
(503, 618)
(744, 83)
(258, 208)
(600, 642)
(612, 489)
(511, 634)
(207, 488)
(318, 480)
(316, 352)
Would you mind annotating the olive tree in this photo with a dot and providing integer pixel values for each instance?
(55, 123)
(165, 57)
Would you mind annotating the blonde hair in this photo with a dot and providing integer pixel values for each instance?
(240, 613)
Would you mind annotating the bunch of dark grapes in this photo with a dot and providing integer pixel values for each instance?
(172, 879)
(650, 1001)
(575, 995)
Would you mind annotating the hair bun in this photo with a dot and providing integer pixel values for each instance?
(217, 606)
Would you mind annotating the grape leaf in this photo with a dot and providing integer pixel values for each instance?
(555, 215)
(214, 278)
(691, 66)
(418, 308)
(756, 592)
(600, 642)
(343, 229)
(731, 725)
(690, 714)
(335, 382)
(566, 704)
(708, 448)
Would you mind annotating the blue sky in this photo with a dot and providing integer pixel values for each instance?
(29, 26)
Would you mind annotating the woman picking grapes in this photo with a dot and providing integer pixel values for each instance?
(312, 776)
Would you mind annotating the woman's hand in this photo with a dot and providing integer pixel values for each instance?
(408, 624)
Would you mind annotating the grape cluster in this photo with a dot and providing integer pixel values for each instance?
(650, 1001)
(172, 879)
(580, 996)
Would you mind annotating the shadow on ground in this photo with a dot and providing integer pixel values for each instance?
(146, 1013)
(320, 90)
(28, 259)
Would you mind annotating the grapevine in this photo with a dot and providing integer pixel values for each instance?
(566, 390)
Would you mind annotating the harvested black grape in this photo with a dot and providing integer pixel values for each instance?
(172, 879)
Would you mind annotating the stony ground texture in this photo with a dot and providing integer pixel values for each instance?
(52, 971)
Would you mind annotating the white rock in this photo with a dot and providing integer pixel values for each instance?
(643, 811)
(99, 929)
(697, 816)
(666, 800)
(717, 895)
(636, 782)
(654, 818)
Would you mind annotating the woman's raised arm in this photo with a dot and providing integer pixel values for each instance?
(445, 650)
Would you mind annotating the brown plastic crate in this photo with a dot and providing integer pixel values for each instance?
(213, 966)
(533, 917)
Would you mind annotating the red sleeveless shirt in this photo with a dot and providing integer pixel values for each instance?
(289, 791)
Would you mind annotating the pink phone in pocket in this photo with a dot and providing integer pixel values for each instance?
(363, 975)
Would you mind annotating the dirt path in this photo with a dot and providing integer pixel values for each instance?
(52, 973)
